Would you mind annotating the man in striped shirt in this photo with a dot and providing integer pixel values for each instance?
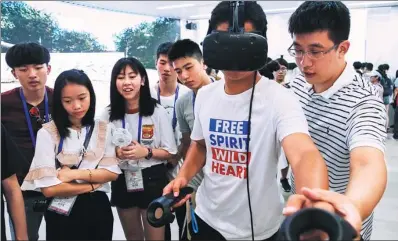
(346, 120)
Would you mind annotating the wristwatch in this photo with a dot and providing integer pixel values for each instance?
(150, 154)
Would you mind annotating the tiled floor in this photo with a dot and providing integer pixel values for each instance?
(386, 215)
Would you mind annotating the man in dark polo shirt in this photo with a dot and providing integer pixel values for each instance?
(23, 111)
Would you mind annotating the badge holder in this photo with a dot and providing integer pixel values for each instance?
(134, 180)
(62, 205)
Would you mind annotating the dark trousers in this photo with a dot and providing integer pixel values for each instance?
(180, 213)
(205, 232)
(91, 218)
(33, 217)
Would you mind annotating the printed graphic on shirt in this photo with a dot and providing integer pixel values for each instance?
(147, 134)
(169, 109)
(228, 141)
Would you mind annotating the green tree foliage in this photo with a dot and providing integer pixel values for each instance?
(143, 40)
(65, 41)
(22, 23)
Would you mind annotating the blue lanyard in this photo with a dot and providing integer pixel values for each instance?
(61, 144)
(174, 121)
(195, 227)
(27, 116)
(193, 102)
(139, 127)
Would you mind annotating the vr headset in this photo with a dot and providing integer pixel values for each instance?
(235, 49)
(309, 219)
(164, 204)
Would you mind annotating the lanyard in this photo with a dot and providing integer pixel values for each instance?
(27, 115)
(193, 102)
(139, 127)
(174, 121)
(61, 144)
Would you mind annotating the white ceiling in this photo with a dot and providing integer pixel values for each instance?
(200, 9)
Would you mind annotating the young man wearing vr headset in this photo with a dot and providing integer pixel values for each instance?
(220, 146)
(346, 120)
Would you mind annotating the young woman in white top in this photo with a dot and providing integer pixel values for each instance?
(72, 167)
(143, 157)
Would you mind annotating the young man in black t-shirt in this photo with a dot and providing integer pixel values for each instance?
(24, 109)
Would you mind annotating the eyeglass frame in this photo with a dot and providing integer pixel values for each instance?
(306, 52)
(281, 69)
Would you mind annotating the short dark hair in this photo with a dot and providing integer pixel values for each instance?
(386, 66)
(254, 13)
(331, 16)
(369, 66)
(59, 114)
(357, 65)
(118, 104)
(27, 53)
(185, 48)
(282, 61)
(291, 66)
(163, 49)
(364, 65)
(273, 66)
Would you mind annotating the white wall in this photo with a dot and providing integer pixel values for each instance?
(381, 37)
(98, 67)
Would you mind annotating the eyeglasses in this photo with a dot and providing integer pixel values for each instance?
(312, 54)
(35, 112)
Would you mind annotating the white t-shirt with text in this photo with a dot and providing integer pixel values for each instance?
(222, 121)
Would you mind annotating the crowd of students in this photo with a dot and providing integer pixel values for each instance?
(386, 87)
(224, 138)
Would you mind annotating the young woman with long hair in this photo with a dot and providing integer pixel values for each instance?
(73, 164)
(143, 158)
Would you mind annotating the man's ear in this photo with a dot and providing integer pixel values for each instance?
(203, 64)
(48, 69)
(13, 73)
(343, 49)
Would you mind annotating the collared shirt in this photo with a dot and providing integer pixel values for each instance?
(346, 116)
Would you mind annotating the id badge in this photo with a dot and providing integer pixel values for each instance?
(134, 180)
(62, 205)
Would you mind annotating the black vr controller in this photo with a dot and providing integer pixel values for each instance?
(235, 49)
(316, 219)
(165, 203)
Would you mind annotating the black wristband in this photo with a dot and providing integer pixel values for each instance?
(150, 154)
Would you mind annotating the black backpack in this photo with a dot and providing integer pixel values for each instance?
(387, 86)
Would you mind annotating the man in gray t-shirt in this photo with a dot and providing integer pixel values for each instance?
(185, 114)
(187, 60)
